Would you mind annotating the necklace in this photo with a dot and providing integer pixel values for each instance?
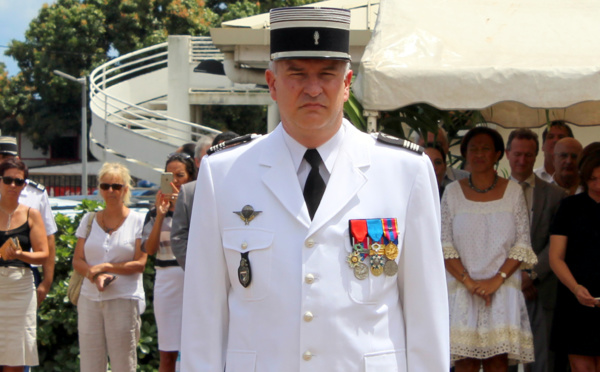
(484, 190)
(9, 216)
(111, 230)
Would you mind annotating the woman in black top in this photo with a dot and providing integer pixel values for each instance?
(23, 243)
(575, 258)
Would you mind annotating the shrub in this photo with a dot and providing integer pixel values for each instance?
(58, 346)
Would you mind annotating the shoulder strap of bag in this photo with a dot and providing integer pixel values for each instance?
(89, 223)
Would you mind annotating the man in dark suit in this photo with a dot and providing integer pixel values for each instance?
(539, 285)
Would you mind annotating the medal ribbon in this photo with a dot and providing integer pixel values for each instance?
(390, 230)
(358, 229)
(375, 227)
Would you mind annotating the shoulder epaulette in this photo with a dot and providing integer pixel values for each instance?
(36, 185)
(232, 143)
(395, 141)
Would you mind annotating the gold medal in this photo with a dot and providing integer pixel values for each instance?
(377, 265)
(377, 271)
(391, 251)
(353, 259)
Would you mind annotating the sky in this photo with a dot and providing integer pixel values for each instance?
(15, 16)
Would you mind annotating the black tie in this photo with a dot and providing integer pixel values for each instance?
(315, 186)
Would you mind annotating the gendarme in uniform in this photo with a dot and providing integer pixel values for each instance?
(283, 277)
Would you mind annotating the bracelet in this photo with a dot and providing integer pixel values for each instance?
(464, 275)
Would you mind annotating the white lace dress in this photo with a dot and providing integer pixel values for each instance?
(483, 235)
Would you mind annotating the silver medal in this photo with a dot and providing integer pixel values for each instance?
(390, 268)
(361, 271)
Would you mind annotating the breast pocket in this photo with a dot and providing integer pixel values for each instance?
(257, 243)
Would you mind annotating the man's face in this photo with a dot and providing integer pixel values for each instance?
(521, 158)
(554, 135)
(439, 166)
(310, 94)
(566, 153)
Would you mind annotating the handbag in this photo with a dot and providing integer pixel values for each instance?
(76, 279)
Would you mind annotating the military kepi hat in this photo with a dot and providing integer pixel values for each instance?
(307, 32)
(8, 145)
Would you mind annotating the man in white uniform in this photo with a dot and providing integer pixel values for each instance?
(35, 196)
(283, 277)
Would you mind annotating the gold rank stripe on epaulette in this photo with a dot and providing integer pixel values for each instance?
(232, 142)
(395, 141)
(36, 185)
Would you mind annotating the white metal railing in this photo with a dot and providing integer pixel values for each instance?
(128, 112)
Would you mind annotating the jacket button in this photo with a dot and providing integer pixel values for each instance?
(244, 245)
(308, 316)
(309, 278)
(309, 243)
(307, 355)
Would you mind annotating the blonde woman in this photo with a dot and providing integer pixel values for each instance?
(17, 294)
(112, 297)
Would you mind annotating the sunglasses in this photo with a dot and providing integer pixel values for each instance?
(9, 181)
(115, 186)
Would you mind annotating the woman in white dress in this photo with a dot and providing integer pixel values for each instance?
(168, 285)
(486, 241)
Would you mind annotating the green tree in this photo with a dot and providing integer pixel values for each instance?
(75, 37)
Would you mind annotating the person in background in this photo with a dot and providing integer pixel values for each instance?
(112, 261)
(22, 243)
(575, 259)
(280, 273)
(185, 203)
(441, 137)
(35, 196)
(438, 160)
(187, 149)
(168, 285)
(555, 131)
(485, 238)
(566, 175)
(538, 285)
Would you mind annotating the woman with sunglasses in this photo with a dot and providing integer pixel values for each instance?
(22, 243)
(168, 285)
(110, 257)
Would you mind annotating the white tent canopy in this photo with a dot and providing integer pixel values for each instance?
(522, 56)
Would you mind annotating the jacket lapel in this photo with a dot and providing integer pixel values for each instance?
(347, 177)
(280, 177)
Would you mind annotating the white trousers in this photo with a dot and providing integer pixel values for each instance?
(108, 328)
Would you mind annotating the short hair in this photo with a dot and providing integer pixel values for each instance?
(14, 163)
(437, 146)
(224, 136)
(117, 169)
(203, 142)
(189, 149)
(559, 124)
(496, 138)
(187, 161)
(523, 134)
(589, 161)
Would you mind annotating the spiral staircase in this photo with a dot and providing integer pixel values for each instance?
(146, 104)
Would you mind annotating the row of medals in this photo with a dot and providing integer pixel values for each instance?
(381, 258)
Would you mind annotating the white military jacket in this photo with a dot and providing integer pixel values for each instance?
(304, 309)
